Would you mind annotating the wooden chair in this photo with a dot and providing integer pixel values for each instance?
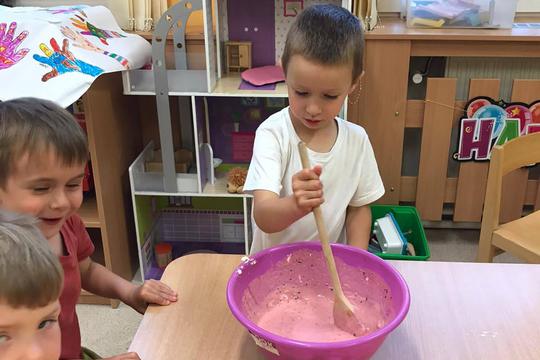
(520, 237)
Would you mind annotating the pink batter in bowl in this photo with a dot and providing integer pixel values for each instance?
(283, 296)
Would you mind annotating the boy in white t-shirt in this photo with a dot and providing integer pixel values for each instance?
(322, 61)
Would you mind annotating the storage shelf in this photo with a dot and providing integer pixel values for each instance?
(89, 213)
(228, 86)
(193, 83)
(219, 188)
(112, 123)
(194, 33)
(151, 183)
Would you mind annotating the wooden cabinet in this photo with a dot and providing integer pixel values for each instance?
(238, 55)
(114, 140)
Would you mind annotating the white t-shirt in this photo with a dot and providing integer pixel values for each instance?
(350, 177)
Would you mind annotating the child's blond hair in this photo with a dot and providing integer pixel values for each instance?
(30, 274)
(326, 34)
(33, 126)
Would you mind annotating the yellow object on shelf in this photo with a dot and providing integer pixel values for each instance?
(427, 22)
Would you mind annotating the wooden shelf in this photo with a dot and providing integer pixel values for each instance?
(195, 33)
(219, 188)
(396, 29)
(114, 141)
(193, 83)
(228, 86)
(89, 213)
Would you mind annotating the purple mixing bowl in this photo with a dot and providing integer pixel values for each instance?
(278, 347)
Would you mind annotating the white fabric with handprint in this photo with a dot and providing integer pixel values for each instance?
(56, 53)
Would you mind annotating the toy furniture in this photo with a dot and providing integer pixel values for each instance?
(485, 308)
(520, 237)
(238, 55)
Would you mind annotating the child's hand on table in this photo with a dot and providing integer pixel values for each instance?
(126, 356)
(151, 292)
(307, 188)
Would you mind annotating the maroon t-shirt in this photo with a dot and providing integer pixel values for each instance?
(78, 247)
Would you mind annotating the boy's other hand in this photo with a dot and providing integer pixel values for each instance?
(126, 356)
(151, 292)
(307, 188)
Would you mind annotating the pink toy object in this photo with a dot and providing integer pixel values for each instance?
(263, 75)
(535, 112)
(259, 276)
(475, 105)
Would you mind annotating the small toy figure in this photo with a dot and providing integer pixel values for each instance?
(236, 179)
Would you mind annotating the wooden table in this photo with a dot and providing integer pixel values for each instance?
(458, 311)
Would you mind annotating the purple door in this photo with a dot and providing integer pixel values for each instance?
(253, 20)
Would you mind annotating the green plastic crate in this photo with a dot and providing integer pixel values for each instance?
(409, 222)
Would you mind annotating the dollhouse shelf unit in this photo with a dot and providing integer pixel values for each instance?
(181, 81)
(194, 85)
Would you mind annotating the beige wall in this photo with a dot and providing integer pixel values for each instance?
(523, 5)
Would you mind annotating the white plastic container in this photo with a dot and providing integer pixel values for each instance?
(389, 235)
(493, 14)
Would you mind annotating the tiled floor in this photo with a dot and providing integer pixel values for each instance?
(109, 331)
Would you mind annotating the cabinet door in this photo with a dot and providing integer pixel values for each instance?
(254, 20)
(244, 56)
(232, 56)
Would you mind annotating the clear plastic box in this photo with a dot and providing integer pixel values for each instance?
(493, 14)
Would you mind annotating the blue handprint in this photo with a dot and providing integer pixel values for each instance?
(62, 61)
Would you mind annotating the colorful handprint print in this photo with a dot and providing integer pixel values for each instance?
(64, 10)
(83, 43)
(62, 61)
(89, 29)
(9, 55)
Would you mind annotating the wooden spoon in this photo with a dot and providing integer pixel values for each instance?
(344, 317)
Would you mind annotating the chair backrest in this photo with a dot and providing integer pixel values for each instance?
(516, 153)
(519, 152)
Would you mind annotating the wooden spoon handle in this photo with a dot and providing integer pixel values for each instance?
(321, 228)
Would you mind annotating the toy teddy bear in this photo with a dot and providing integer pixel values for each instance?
(236, 179)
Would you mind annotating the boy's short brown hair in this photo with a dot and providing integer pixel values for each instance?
(33, 126)
(327, 34)
(30, 274)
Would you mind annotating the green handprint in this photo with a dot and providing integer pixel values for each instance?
(9, 55)
(63, 61)
(89, 29)
(83, 43)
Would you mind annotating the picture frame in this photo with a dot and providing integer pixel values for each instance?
(275, 102)
(249, 101)
(292, 7)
